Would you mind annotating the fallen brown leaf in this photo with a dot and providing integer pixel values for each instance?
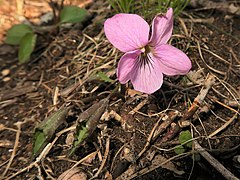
(73, 174)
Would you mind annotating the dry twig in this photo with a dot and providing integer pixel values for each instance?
(198, 101)
(139, 106)
(215, 163)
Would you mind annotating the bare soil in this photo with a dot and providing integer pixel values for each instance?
(62, 72)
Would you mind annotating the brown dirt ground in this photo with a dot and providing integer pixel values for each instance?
(61, 72)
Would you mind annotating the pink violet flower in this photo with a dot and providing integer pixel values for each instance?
(145, 59)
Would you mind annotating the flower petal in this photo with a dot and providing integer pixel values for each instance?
(162, 27)
(127, 32)
(147, 77)
(125, 66)
(172, 60)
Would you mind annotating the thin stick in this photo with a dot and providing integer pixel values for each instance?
(46, 149)
(198, 101)
(223, 126)
(18, 124)
(80, 161)
(104, 159)
(201, 56)
(234, 55)
(149, 139)
(226, 106)
(43, 153)
(138, 107)
(215, 163)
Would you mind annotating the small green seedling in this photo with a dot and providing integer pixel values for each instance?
(24, 35)
(185, 142)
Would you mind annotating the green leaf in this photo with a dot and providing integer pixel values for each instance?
(72, 14)
(39, 139)
(80, 135)
(16, 33)
(184, 137)
(26, 47)
(102, 76)
(44, 131)
(179, 149)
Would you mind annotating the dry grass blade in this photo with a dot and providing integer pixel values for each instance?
(149, 139)
(104, 158)
(202, 58)
(225, 125)
(138, 107)
(18, 124)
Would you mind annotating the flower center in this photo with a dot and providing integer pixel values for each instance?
(145, 57)
(145, 50)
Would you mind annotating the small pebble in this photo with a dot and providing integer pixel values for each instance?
(6, 79)
(5, 72)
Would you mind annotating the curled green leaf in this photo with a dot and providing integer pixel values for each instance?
(45, 130)
(87, 122)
